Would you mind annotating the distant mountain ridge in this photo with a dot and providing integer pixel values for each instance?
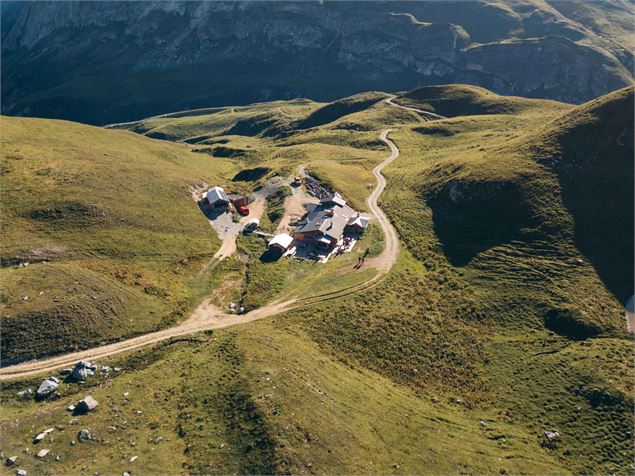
(102, 62)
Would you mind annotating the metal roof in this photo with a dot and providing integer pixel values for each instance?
(216, 194)
(282, 240)
(326, 219)
(336, 198)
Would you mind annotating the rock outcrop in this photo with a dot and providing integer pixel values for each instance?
(117, 61)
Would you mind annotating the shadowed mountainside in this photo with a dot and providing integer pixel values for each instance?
(109, 62)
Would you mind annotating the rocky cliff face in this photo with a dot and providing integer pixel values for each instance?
(104, 62)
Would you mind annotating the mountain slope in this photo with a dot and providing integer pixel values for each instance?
(108, 62)
(493, 327)
(103, 219)
(591, 151)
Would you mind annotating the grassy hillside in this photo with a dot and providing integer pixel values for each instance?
(106, 224)
(464, 100)
(591, 152)
(496, 324)
(259, 400)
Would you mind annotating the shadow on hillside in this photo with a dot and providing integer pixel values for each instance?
(212, 213)
(600, 198)
(472, 217)
(251, 175)
(270, 256)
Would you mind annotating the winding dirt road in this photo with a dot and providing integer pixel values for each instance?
(431, 116)
(207, 316)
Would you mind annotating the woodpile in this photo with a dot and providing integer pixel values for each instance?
(315, 188)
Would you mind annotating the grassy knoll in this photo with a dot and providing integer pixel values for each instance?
(467, 100)
(113, 239)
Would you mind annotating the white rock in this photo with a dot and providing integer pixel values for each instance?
(25, 394)
(87, 404)
(42, 453)
(47, 387)
(133, 459)
(42, 435)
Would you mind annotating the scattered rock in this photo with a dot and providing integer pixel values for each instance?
(25, 298)
(43, 452)
(71, 408)
(42, 435)
(134, 458)
(126, 394)
(232, 305)
(125, 473)
(117, 369)
(25, 394)
(550, 439)
(85, 435)
(11, 461)
(47, 387)
(83, 370)
(157, 440)
(86, 405)
(21, 472)
(105, 369)
(482, 423)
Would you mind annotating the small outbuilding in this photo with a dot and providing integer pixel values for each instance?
(280, 243)
(358, 222)
(217, 197)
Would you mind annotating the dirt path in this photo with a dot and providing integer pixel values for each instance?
(426, 114)
(388, 256)
(295, 205)
(228, 247)
(206, 316)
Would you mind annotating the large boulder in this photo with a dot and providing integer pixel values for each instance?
(47, 387)
(83, 370)
(86, 405)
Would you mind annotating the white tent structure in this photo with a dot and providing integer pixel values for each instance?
(216, 196)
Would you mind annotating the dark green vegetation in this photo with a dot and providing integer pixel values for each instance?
(498, 322)
(275, 207)
(113, 240)
(151, 58)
